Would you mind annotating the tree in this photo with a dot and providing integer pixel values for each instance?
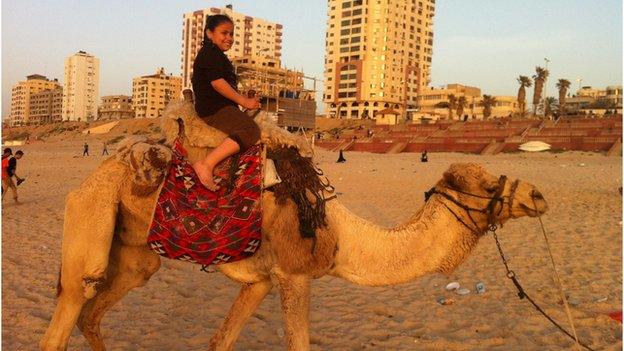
(452, 104)
(487, 103)
(540, 79)
(563, 85)
(550, 106)
(461, 104)
(525, 82)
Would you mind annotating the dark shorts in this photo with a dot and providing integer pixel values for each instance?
(236, 124)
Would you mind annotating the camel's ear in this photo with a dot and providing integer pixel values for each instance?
(455, 177)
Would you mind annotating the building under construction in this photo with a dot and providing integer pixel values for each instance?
(282, 91)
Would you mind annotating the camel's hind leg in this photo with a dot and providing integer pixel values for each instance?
(129, 267)
(250, 297)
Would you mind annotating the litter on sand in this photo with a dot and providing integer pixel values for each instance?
(452, 286)
(462, 291)
(480, 288)
(444, 302)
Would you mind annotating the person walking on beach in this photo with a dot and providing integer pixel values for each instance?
(85, 151)
(6, 154)
(104, 149)
(7, 176)
(217, 99)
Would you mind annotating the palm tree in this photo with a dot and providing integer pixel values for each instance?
(525, 82)
(550, 106)
(461, 104)
(540, 79)
(487, 103)
(562, 85)
(452, 104)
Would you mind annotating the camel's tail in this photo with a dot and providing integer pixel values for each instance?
(59, 288)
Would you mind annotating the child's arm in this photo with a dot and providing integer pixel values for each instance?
(225, 89)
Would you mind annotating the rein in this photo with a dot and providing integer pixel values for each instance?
(489, 210)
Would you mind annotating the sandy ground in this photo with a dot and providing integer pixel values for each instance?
(181, 306)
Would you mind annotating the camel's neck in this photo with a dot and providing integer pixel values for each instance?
(433, 241)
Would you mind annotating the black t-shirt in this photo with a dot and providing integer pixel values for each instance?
(12, 166)
(211, 64)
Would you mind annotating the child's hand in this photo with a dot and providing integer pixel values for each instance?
(252, 103)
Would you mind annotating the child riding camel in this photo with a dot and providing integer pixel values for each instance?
(217, 99)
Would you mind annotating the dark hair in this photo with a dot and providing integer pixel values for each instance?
(19, 152)
(213, 22)
(8, 150)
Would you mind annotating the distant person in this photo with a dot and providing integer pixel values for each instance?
(341, 158)
(104, 149)
(7, 177)
(85, 151)
(424, 157)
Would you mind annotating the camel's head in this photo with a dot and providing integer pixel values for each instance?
(485, 196)
(148, 161)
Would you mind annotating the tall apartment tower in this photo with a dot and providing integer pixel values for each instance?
(378, 56)
(253, 37)
(81, 87)
(24, 98)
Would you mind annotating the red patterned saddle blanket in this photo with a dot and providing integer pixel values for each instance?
(192, 223)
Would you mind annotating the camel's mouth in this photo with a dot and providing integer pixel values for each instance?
(532, 212)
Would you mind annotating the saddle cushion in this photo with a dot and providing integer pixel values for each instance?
(194, 224)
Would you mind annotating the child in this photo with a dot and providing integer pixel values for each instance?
(217, 100)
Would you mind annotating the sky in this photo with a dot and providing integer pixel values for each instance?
(483, 43)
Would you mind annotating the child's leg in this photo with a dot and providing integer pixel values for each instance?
(204, 167)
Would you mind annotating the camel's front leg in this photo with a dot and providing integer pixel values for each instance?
(295, 297)
(130, 267)
(250, 297)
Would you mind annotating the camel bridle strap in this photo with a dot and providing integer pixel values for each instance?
(489, 210)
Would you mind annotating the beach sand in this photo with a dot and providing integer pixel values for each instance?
(181, 306)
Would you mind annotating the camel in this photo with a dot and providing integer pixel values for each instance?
(105, 256)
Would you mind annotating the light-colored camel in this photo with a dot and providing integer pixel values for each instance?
(99, 268)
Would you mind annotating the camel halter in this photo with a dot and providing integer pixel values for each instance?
(489, 210)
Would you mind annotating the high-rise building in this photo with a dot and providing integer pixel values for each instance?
(256, 38)
(151, 94)
(378, 55)
(22, 96)
(81, 87)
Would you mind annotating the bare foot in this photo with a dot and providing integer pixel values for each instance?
(204, 172)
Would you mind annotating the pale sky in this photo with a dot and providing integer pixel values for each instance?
(483, 43)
